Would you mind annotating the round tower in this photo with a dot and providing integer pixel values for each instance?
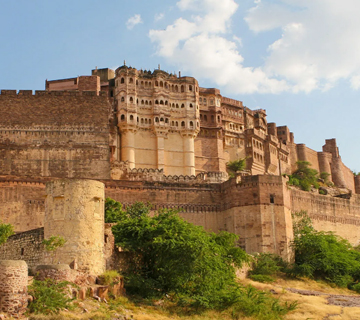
(74, 210)
(13, 287)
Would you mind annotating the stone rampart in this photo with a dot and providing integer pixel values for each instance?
(342, 216)
(25, 246)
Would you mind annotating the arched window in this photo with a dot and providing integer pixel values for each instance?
(218, 118)
(176, 124)
(137, 82)
(161, 84)
(183, 123)
(176, 89)
(122, 99)
(122, 80)
(161, 119)
(131, 99)
(191, 105)
(131, 117)
(142, 101)
(150, 103)
(166, 103)
(205, 117)
(131, 80)
(156, 119)
(182, 105)
(200, 99)
(142, 83)
(137, 101)
(146, 121)
(177, 106)
(190, 87)
(149, 121)
(212, 119)
(172, 123)
(166, 120)
(146, 102)
(182, 88)
(161, 102)
(191, 124)
(156, 101)
(142, 121)
(122, 117)
(200, 116)
(156, 83)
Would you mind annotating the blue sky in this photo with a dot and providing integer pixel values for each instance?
(298, 59)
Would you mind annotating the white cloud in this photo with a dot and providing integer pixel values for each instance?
(158, 17)
(200, 45)
(319, 44)
(133, 21)
(317, 47)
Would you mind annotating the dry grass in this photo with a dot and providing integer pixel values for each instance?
(309, 307)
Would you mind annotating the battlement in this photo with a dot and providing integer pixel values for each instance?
(6, 92)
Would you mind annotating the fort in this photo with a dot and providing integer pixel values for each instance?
(154, 137)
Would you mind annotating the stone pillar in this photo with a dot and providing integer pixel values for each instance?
(13, 287)
(74, 209)
(128, 147)
(160, 151)
(189, 154)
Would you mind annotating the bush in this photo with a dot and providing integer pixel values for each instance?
(323, 255)
(192, 267)
(235, 166)
(6, 230)
(49, 296)
(109, 277)
(304, 176)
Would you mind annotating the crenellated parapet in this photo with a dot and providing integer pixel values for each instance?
(121, 170)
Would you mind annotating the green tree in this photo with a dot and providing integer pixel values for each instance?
(304, 176)
(113, 211)
(172, 256)
(235, 166)
(52, 244)
(6, 230)
(323, 255)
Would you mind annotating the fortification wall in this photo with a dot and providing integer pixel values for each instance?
(341, 216)
(306, 154)
(258, 210)
(22, 203)
(25, 246)
(54, 134)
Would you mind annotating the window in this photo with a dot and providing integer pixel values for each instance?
(122, 80)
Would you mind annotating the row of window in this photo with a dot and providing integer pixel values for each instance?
(161, 84)
(161, 102)
(158, 120)
(204, 102)
(205, 118)
(232, 112)
(258, 157)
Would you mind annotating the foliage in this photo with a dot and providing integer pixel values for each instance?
(53, 243)
(113, 211)
(109, 277)
(260, 304)
(261, 278)
(236, 165)
(265, 264)
(304, 177)
(323, 255)
(325, 176)
(174, 256)
(49, 296)
(6, 230)
(193, 268)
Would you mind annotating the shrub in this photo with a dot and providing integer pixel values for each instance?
(304, 176)
(323, 255)
(49, 296)
(6, 230)
(236, 165)
(109, 277)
